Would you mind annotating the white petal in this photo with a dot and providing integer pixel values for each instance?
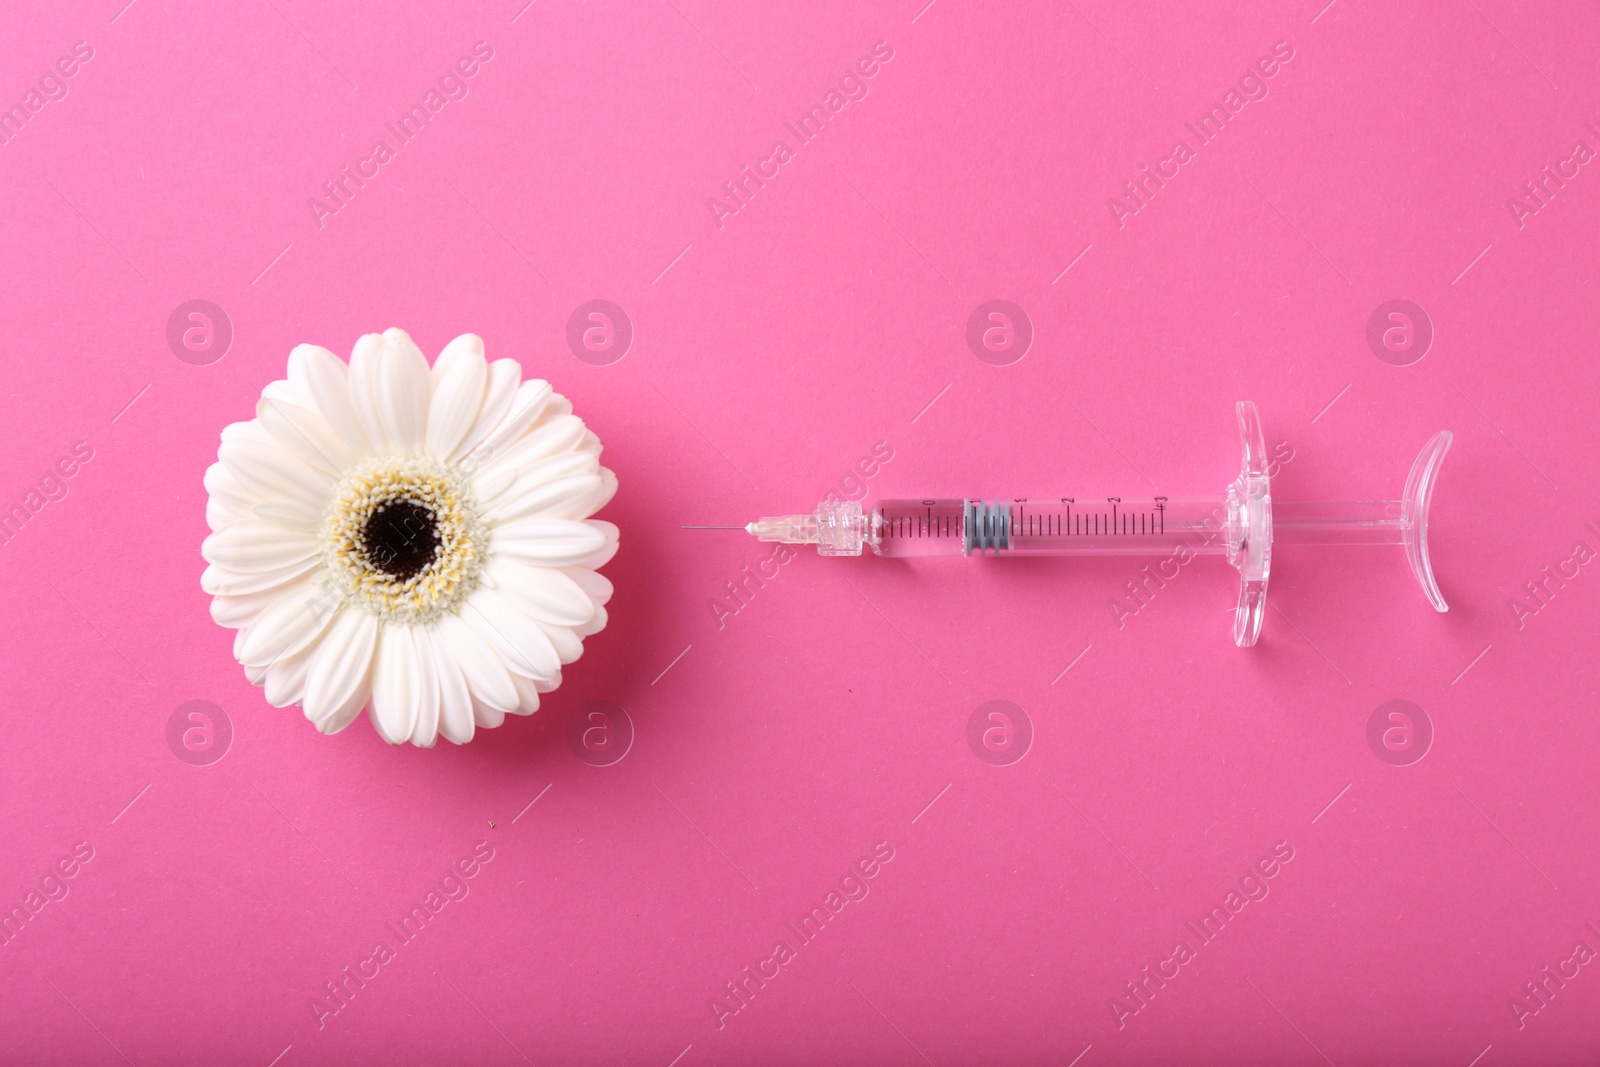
(455, 697)
(597, 585)
(485, 716)
(425, 729)
(550, 437)
(220, 513)
(339, 681)
(521, 644)
(495, 493)
(460, 376)
(366, 381)
(226, 501)
(252, 546)
(609, 529)
(323, 377)
(285, 680)
(303, 432)
(560, 498)
(552, 542)
(543, 593)
(281, 390)
(224, 488)
(290, 515)
(490, 485)
(249, 430)
(504, 377)
(218, 580)
(396, 684)
(485, 671)
(602, 496)
(404, 390)
(345, 714)
(527, 695)
(594, 625)
(532, 400)
(267, 472)
(238, 611)
(289, 624)
(568, 645)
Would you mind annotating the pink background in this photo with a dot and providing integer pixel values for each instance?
(830, 713)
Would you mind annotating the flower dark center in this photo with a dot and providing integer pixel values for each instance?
(400, 538)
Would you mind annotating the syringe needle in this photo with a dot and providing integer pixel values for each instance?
(713, 527)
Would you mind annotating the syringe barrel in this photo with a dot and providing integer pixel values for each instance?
(1049, 526)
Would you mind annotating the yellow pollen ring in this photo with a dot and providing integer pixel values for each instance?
(458, 561)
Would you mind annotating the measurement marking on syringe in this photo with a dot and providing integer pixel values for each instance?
(926, 525)
(1016, 520)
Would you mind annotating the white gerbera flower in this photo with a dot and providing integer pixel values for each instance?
(417, 541)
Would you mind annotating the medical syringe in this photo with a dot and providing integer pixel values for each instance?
(1242, 524)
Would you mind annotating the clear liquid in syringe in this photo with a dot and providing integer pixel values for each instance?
(1110, 525)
